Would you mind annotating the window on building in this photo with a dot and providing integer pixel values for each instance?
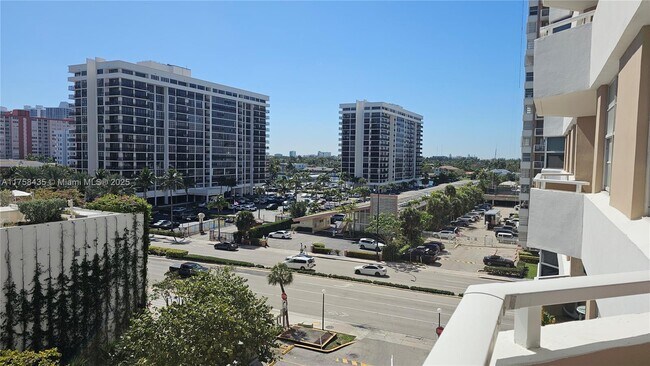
(525, 141)
(555, 144)
(532, 10)
(530, 44)
(525, 157)
(609, 134)
(529, 76)
(529, 109)
(529, 93)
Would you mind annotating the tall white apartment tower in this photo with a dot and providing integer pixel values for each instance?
(134, 115)
(380, 142)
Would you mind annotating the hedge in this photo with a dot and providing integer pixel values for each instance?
(528, 259)
(505, 271)
(165, 232)
(434, 291)
(321, 250)
(362, 255)
(215, 260)
(41, 211)
(262, 230)
(318, 245)
(168, 252)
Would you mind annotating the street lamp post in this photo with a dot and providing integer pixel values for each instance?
(322, 323)
(439, 311)
(440, 328)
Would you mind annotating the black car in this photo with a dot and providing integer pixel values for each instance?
(459, 223)
(187, 269)
(272, 206)
(437, 245)
(498, 261)
(226, 246)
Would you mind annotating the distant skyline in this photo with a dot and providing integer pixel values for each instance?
(456, 63)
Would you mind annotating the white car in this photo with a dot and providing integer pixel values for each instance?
(300, 255)
(300, 262)
(365, 243)
(371, 270)
(282, 234)
(445, 234)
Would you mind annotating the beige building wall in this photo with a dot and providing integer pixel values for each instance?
(629, 163)
(599, 140)
(584, 149)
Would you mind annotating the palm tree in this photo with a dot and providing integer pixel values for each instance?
(450, 191)
(145, 179)
(349, 211)
(171, 181)
(281, 275)
(219, 203)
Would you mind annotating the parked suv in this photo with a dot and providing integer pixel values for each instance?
(498, 261)
(365, 243)
(299, 262)
(444, 234)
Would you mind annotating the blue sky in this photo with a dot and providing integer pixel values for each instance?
(456, 63)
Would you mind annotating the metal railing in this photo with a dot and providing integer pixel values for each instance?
(575, 21)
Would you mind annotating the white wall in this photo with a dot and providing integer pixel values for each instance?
(54, 245)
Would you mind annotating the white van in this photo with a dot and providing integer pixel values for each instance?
(299, 262)
(503, 235)
(371, 244)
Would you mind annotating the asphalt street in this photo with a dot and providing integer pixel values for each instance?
(387, 321)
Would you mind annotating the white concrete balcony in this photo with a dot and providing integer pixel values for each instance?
(562, 61)
(472, 336)
(559, 176)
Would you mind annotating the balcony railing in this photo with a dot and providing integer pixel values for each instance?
(470, 336)
(540, 148)
(576, 21)
(539, 131)
(538, 164)
(557, 176)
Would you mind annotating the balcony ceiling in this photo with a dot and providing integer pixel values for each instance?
(577, 104)
(576, 5)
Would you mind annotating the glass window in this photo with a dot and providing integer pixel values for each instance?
(532, 10)
(609, 136)
(525, 141)
(529, 93)
(529, 76)
(555, 144)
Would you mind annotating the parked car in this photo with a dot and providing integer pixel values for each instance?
(191, 216)
(435, 244)
(471, 218)
(299, 262)
(455, 229)
(157, 223)
(165, 224)
(444, 234)
(423, 250)
(371, 270)
(498, 261)
(504, 235)
(505, 229)
(282, 234)
(299, 255)
(187, 269)
(459, 223)
(272, 206)
(337, 217)
(371, 244)
(226, 246)
(230, 219)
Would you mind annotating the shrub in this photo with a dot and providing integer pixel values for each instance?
(215, 260)
(66, 194)
(318, 245)
(432, 290)
(263, 230)
(391, 252)
(390, 284)
(168, 252)
(321, 250)
(362, 255)
(528, 259)
(504, 271)
(166, 232)
(41, 211)
(48, 357)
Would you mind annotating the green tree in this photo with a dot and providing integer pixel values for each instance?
(244, 221)
(5, 197)
(274, 169)
(386, 226)
(213, 319)
(298, 209)
(350, 216)
(219, 202)
(171, 181)
(439, 211)
(144, 180)
(411, 224)
(48, 357)
(450, 190)
(281, 275)
(41, 211)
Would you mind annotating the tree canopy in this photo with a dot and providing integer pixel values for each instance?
(211, 319)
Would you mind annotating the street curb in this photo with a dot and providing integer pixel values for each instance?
(497, 278)
(324, 350)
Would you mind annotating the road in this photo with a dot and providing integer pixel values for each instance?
(403, 273)
(387, 321)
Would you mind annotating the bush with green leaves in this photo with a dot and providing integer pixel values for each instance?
(165, 232)
(41, 211)
(263, 230)
(362, 254)
(298, 209)
(48, 357)
(528, 258)
(244, 221)
(5, 197)
(213, 318)
(519, 272)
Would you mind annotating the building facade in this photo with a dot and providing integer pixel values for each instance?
(60, 112)
(22, 135)
(380, 142)
(591, 217)
(542, 143)
(134, 115)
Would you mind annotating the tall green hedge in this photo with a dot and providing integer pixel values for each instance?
(362, 254)
(41, 211)
(262, 230)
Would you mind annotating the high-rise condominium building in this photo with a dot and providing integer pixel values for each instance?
(22, 134)
(542, 143)
(60, 112)
(380, 142)
(134, 115)
(292, 154)
(590, 217)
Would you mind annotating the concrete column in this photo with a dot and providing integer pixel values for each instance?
(591, 310)
(528, 326)
(585, 135)
(599, 140)
(628, 188)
